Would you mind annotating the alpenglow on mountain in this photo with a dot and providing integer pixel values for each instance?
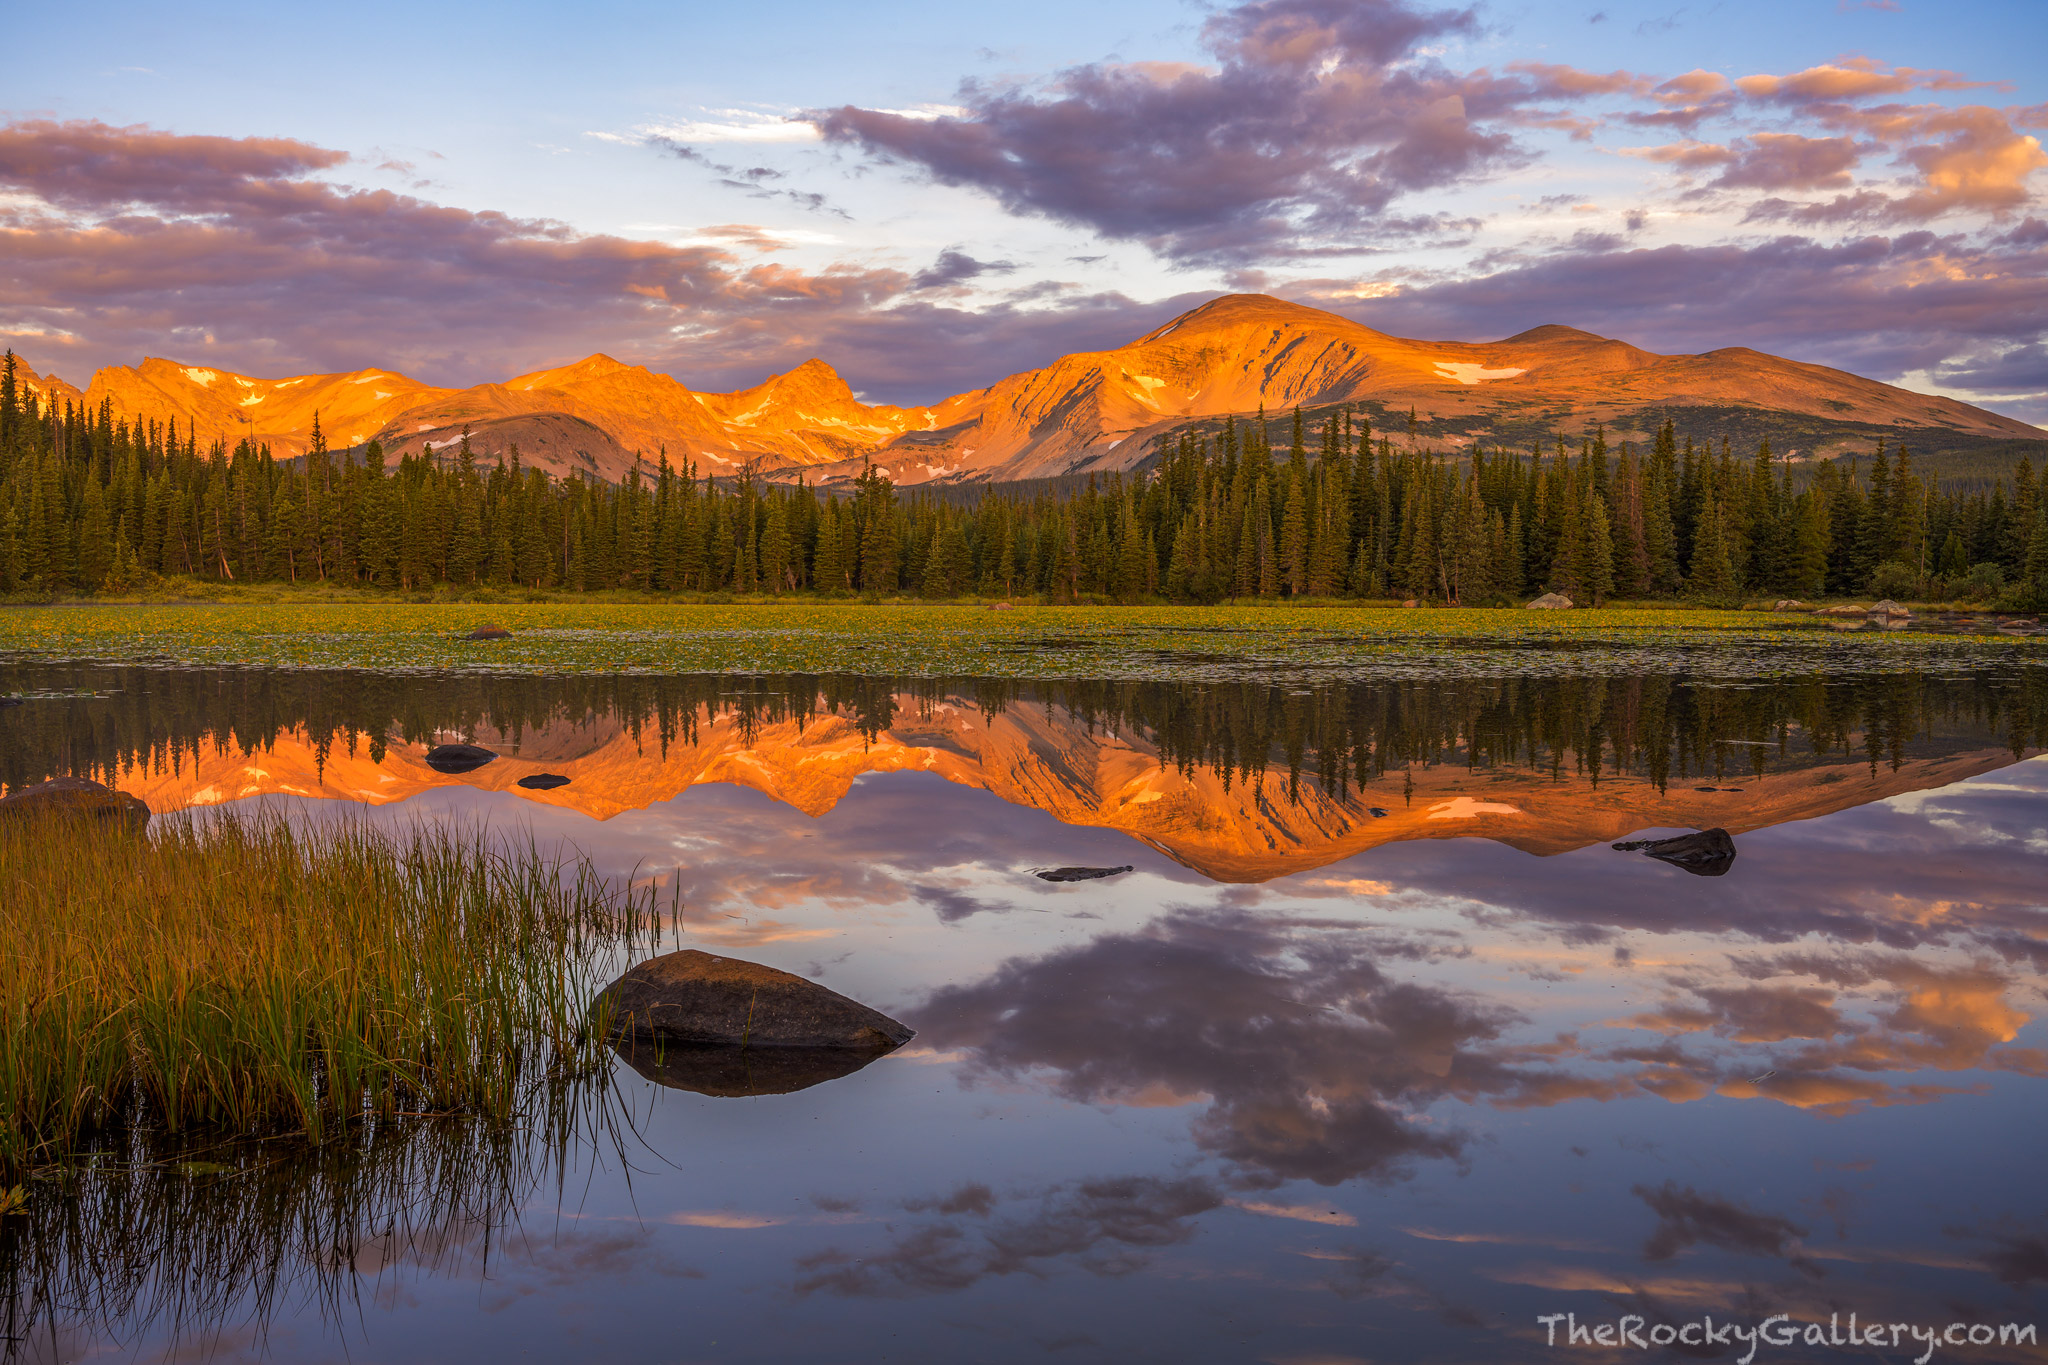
(1100, 410)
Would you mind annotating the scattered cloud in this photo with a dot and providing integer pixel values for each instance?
(957, 267)
(1315, 118)
(1348, 1056)
(1107, 1226)
(1877, 305)
(1687, 1218)
(121, 242)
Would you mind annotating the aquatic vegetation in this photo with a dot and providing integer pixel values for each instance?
(241, 975)
(185, 1239)
(1190, 643)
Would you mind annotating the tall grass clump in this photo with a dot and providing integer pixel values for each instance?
(238, 973)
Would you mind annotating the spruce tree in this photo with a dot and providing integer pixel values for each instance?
(1598, 562)
(1262, 540)
(1294, 535)
(2034, 588)
(1807, 563)
(1712, 577)
(95, 539)
(1132, 573)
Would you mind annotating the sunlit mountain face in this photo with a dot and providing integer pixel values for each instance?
(1238, 356)
(1416, 1078)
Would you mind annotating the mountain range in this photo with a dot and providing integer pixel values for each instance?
(1098, 410)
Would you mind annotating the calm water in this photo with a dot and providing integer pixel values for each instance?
(1308, 1085)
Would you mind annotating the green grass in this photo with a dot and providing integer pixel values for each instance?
(1192, 643)
(236, 975)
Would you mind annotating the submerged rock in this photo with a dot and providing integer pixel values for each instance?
(490, 633)
(733, 1072)
(10, 701)
(1377, 812)
(1079, 874)
(703, 998)
(543, 782)
(458, 758)
(1709, 853)
(79, 797)
(1551, 601)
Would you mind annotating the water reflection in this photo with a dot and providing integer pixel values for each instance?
(1239, 781)
(1304, 1085)
(201, 1250)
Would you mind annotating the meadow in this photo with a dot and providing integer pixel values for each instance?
(1160, 642)
(236, 975)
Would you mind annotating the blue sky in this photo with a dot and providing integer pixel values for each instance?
(1012, 181)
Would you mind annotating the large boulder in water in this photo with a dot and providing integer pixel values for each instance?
(1709, 853)
(78, 798)
(703, 998)
(1551, 601)
(458, 758)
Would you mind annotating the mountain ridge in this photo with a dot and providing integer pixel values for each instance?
(1102, 410)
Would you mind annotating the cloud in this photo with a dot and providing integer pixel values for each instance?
(121, 242)
(1686, 1218)
(956, 267)
(2019, 1260)
(753, 181)
(1106, 1226)
(1964, 160)
(1316, 117)
(1753, 1014)
(1775, 161)
(1314, 1064)
(1879, 305)
(725, 125)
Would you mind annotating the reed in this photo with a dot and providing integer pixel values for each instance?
(238, 973)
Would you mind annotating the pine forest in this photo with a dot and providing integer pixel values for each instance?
(1286, 509)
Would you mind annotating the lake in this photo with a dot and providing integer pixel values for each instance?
(1378, 1051)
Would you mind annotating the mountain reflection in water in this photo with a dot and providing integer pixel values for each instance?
(1304, 1085)
(1238, 781)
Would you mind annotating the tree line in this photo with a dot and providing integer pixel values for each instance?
(93, 503)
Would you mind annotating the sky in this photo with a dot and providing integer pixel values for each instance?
(930, 197)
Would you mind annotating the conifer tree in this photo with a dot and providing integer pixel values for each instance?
(2034, 590)
(1294, 534)
(1132, 574)
(1807, 564)
(95, 539)
(1598, 563)
(1245, 581)
(1711, 577)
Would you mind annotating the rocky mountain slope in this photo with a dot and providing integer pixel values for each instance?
(1096, 410)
